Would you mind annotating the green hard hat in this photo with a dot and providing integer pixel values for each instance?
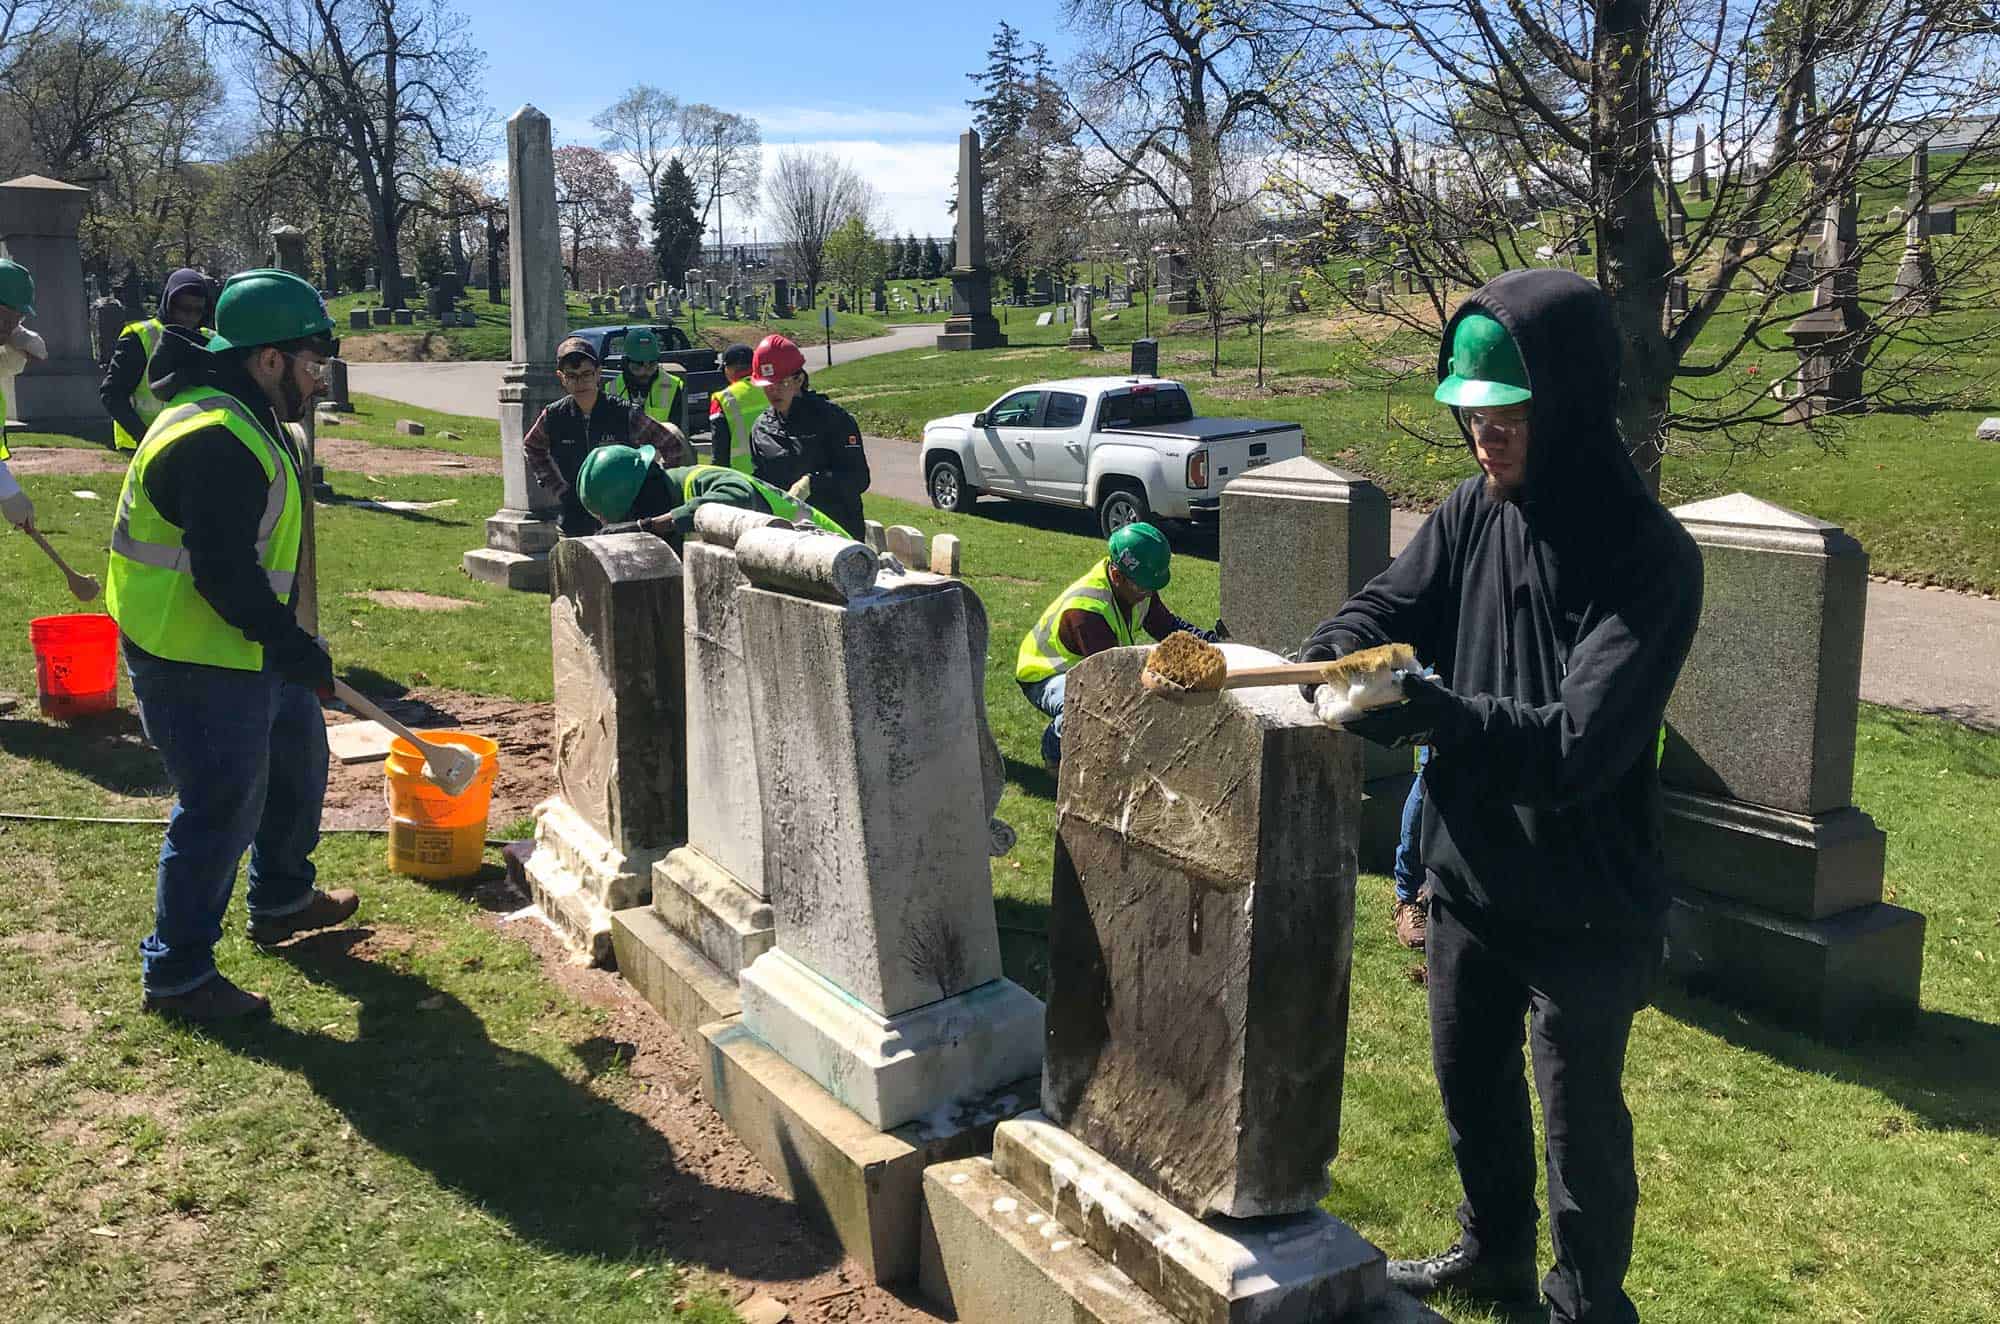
(1486, 367)
(642, 346)
(267, 307)
(1142, 555)
(17, 287)
(610, 480)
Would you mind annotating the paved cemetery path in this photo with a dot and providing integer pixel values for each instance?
(474, 388)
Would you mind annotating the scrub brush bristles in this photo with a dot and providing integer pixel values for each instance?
(1185, 662)
(1371, 662)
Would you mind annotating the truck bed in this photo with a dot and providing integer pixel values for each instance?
(1208, 429)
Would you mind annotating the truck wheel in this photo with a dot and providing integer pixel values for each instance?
(1119, 506)
(945, 480)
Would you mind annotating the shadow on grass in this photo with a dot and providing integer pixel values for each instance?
(1943, 1067)
(109, 750)
(567, 1170)
(1033, 778)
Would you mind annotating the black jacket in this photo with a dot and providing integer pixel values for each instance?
(820, 438)
(213, 489)
(125, 372)
(1559, 625)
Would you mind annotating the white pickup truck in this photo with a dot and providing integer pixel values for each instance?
(1129, 448)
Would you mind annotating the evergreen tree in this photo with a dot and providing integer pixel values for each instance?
(677, 228)
(912, 264)
(1029, 158)
(933, 259)
(893, 265)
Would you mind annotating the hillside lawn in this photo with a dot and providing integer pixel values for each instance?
(340, 1165)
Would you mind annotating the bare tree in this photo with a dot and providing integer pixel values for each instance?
(392, 84)
(809, 196)
(1173, 95)
(724, 154)
(594, 209)
(1489, 137)
(643, 130)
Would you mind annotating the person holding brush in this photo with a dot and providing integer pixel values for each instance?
(17, 345)
(1555, 600)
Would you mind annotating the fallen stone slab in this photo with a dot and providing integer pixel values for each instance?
(409, 427)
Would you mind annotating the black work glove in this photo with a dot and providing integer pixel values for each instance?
(1428, 705)
(303, 662)
(1313, 653)
(1221, 631)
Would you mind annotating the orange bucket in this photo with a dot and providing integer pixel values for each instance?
(433, 835)
(76, 664)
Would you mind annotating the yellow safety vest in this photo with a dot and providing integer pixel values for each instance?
(150, 587)
(776, 498)
(1043, 653)
(144, 403)
(3, 425)
(742, 403)
(662, 411)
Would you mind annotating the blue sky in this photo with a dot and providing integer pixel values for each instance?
(883, 86)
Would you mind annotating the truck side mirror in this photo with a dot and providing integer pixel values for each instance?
(979, 420)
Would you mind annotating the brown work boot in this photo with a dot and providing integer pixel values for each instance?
(210, 1002)
(1412, 920)
(325, 910)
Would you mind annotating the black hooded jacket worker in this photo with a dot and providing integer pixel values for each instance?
(1557, 621)
(126, 390)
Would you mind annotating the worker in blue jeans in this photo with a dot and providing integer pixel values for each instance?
(1411, 913)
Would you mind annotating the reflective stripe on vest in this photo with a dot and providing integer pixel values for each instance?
(1043, 653)
(3, 425)
(150, 587)
(781, 505)
(663, 413)
(741, 420)
(144, 403)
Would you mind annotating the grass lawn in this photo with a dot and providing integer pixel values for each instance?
(340, 1165)
(493, 339)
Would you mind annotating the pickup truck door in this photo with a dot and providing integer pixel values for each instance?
(1062, 448)
(1004, 448)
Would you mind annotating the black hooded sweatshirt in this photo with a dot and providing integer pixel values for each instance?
(126, 370)
(1559, 624)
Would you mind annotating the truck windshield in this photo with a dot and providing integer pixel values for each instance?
(1145, 408)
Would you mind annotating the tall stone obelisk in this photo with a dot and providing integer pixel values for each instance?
(971, 324)
(519, 536)
(1916, 277)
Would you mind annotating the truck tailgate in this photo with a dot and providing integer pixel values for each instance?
(1234, 445)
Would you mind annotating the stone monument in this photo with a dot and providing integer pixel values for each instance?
(1700, 168)
(711, 911)
(108, 317)
(1174, 288)
(971, 324)
(39, 219)
(1916, 276)
(620, 748)
(1200, 938)
(288, 249)
(1778, 876)
(1832, 339)
(1082, 335)
(519, 536)
(1331, 530)
(878, 1034)
(781, 298)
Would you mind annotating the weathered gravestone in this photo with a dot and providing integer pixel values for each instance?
(879, 1034)
(711, 912)
(1295, 298)
(40, 219)
(336, 387)
(1201, 932)
(380, 316)
(1917, 291)
(107, 316)
(620, 752)
(1778, 876)
(1082, 336)
(357, 319)
(405, 317)
(1297, 539)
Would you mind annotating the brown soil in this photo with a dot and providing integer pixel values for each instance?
(65, 460)
(711, 1171)
(398, 347)
(368, 458)
(412, 600)
(355, 795)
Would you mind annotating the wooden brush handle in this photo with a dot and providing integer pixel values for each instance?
(1291, 673)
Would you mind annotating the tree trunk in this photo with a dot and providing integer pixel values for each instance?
(1633, 257)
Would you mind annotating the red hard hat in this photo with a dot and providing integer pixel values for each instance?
(775, 359)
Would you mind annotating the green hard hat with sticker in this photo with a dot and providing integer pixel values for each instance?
(1486, 368)
(642, 346)
(1141, 554)
(17, 287)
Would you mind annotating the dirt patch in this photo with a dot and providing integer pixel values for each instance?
(711, 1171)
(1404, 364)
(411, 600)
(398, 347)
(354, 792)
(65, 460)
(367, 458)
(1279, 386)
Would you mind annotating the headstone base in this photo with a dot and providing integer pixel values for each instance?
(578, 878)
(1837, 978)
(510, 569)
(862, 1183)
(672, 975)
(704, 903)
(1200, 1271)
(1790, 864)
(893, 1070)
(1083, 338)
(971, 333)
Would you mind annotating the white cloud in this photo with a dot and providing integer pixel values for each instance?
(860, 122)
(915, 180)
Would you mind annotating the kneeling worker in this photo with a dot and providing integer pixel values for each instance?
(624, 483)
(202, 582)
(1099, 611)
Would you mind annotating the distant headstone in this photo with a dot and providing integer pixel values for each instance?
(1988, 430)
(409, 427)
(40, 223)
(107, 315)
(1295, 297)
(336, 389)
(405, 317)
(379, 317)
(1146, 357)
(1357, 282)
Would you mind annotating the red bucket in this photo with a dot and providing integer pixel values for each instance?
(76, 664)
